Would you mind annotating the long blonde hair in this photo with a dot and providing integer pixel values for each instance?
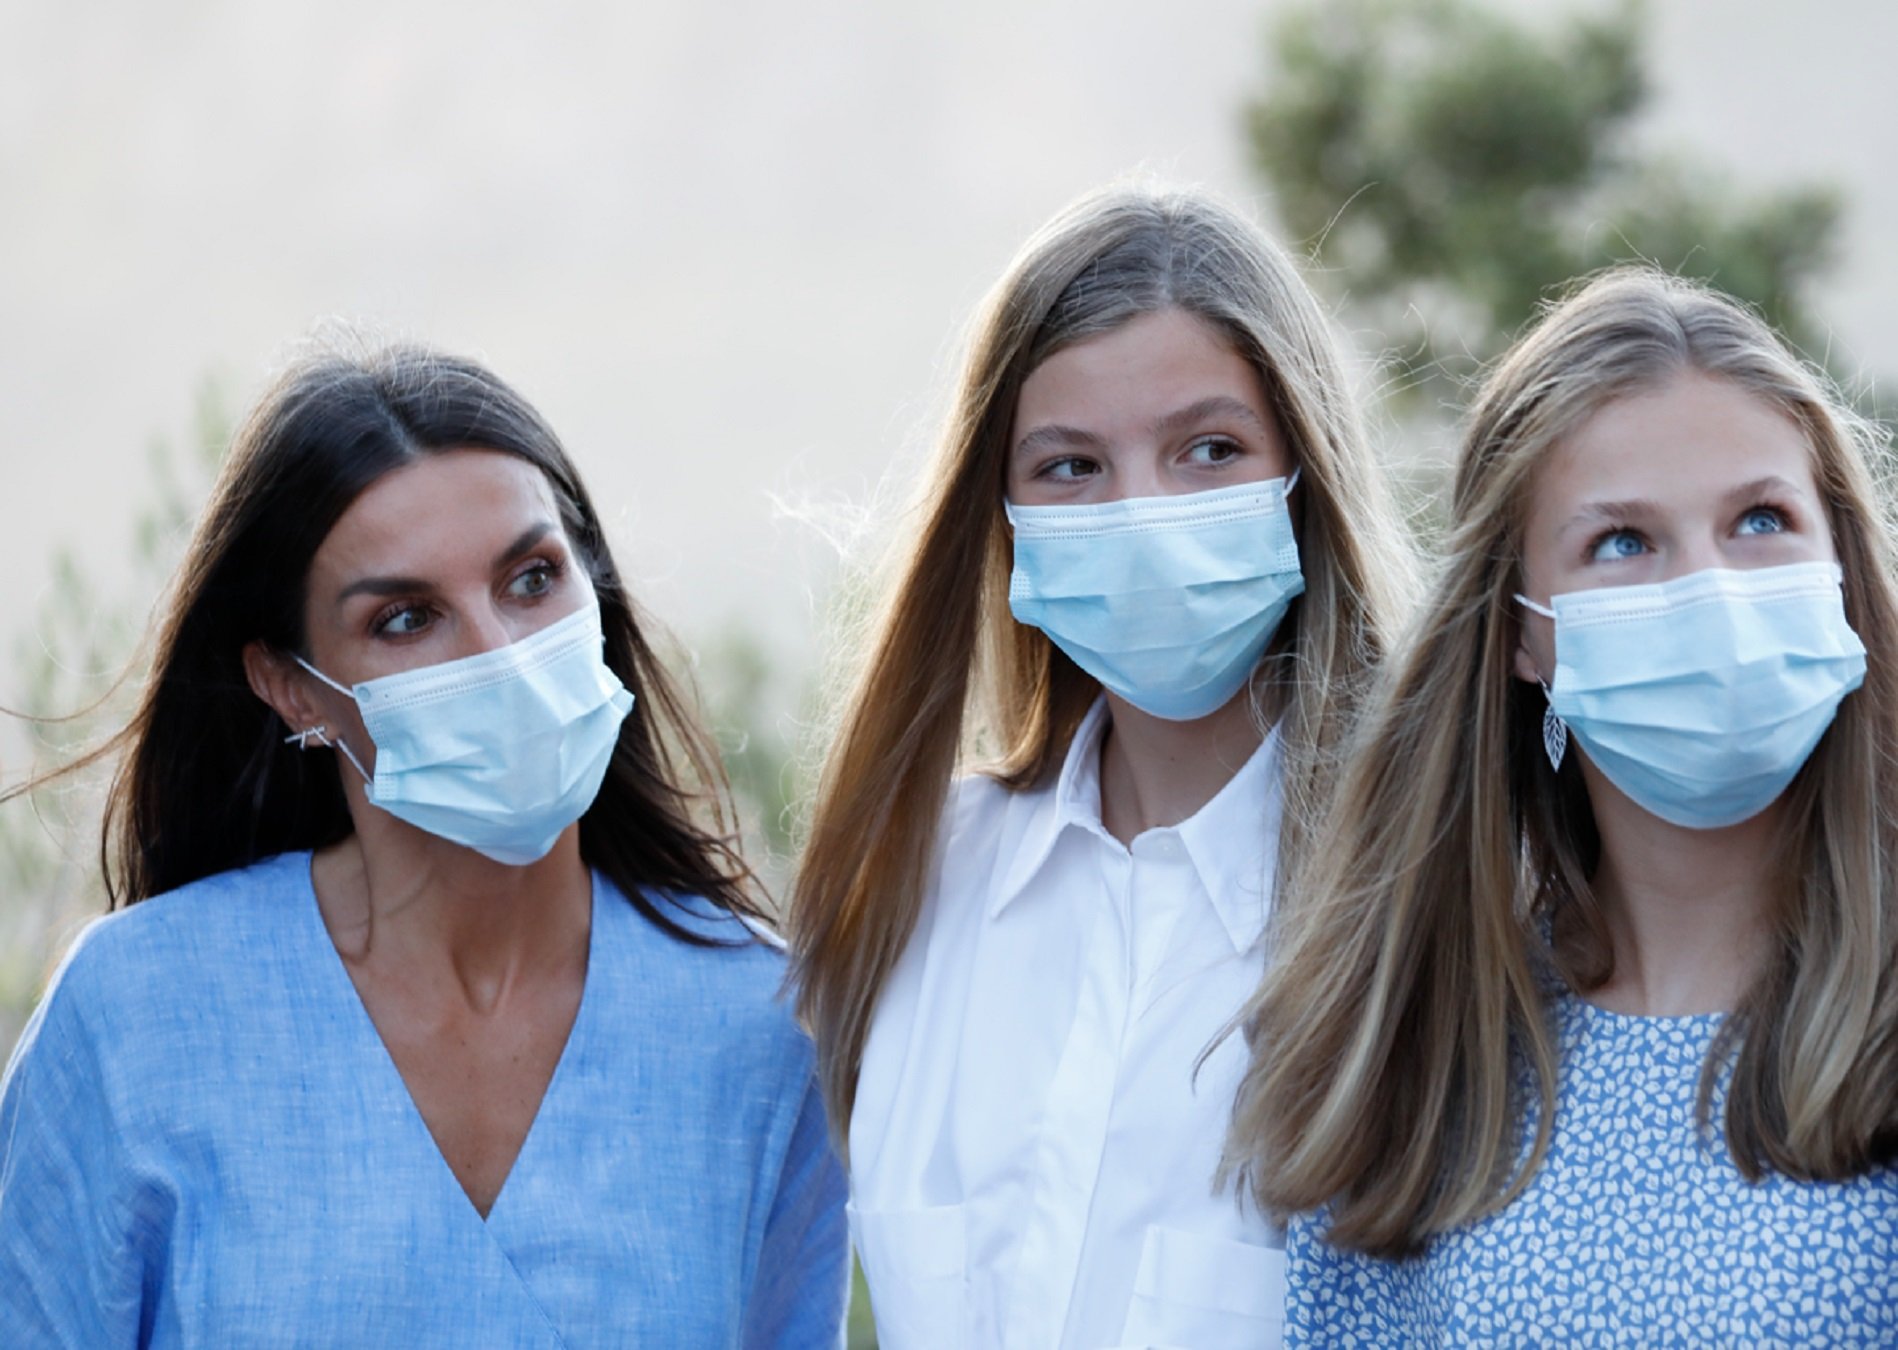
(1409, 964)
(947, 667)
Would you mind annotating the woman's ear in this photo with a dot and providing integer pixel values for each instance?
(1525, 661)
(281, 684)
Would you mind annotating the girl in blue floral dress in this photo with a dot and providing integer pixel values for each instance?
(1584, 1028)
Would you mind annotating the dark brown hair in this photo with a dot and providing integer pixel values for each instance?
(206, 782)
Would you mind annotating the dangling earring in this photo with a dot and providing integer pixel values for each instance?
(320, 734)
(1554, 733)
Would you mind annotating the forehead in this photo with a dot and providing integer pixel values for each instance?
(1158, 360)
(437, 510)
(1692, 435)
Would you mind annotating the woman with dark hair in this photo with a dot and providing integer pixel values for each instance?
(433, 1012)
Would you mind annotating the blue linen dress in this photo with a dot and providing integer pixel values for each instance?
(1637, 1230)
(203, 1142)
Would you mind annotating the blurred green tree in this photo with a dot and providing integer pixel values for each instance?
(752, 713)
(74, 675)
(1450, 166)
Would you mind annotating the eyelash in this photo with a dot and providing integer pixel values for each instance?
(1221, 442)
(1048, 470)
(1783, 513)
(1228, 443)
(378, 626)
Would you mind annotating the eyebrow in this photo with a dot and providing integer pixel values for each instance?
(1637, 508)
(386, 586)
(1761, 486)
(1055, 435)
(1600, 513)
(1214, 405)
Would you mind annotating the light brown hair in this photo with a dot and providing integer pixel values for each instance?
(1410, 972)
(947, 671)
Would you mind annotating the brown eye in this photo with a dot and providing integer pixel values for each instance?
(1070, 469)
(402, 622)
(1214, 450)
(534, 581)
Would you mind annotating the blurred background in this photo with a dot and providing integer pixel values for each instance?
(729, 251)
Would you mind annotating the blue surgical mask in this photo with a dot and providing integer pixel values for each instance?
(1168, 601)
(501, 751)
(1701, 697)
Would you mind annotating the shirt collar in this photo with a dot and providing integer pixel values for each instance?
(1232, 841)
(1076, 800)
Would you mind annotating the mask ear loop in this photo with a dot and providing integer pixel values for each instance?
(1292, 482)
(1554, 729)
(320, 734)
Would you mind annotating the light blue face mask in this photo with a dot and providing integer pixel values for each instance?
(1701, 697)
(1168, 601)
(499, 752)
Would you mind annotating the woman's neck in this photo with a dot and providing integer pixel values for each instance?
(1688, 911)
(396, 897)
(1156, 773)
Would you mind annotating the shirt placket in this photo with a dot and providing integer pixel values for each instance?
(1073, 1133)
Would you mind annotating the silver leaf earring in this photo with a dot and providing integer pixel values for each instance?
(1554, 733)
(319, 734)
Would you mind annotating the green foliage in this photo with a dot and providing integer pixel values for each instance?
(862, 1330)
(750, 715)
(71, 681)
(74, 675)
(1453, 167)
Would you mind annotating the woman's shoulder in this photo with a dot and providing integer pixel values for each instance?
(133, 979)
(714, 960)
(156, 948)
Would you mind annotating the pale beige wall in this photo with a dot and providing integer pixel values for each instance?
(725, 247)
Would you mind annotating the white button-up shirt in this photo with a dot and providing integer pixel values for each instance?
(1035, 1134)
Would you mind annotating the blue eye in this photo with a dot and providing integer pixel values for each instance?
(1617, 545)
(1762, 520)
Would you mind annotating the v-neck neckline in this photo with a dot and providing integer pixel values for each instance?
(379, 1048)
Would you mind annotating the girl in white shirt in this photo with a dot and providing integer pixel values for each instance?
(1149, 572)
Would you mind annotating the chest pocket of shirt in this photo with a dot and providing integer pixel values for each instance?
(1203, 1292)
(916, 1264)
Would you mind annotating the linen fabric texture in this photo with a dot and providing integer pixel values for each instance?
(1034, 1138)
(204, 1143)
